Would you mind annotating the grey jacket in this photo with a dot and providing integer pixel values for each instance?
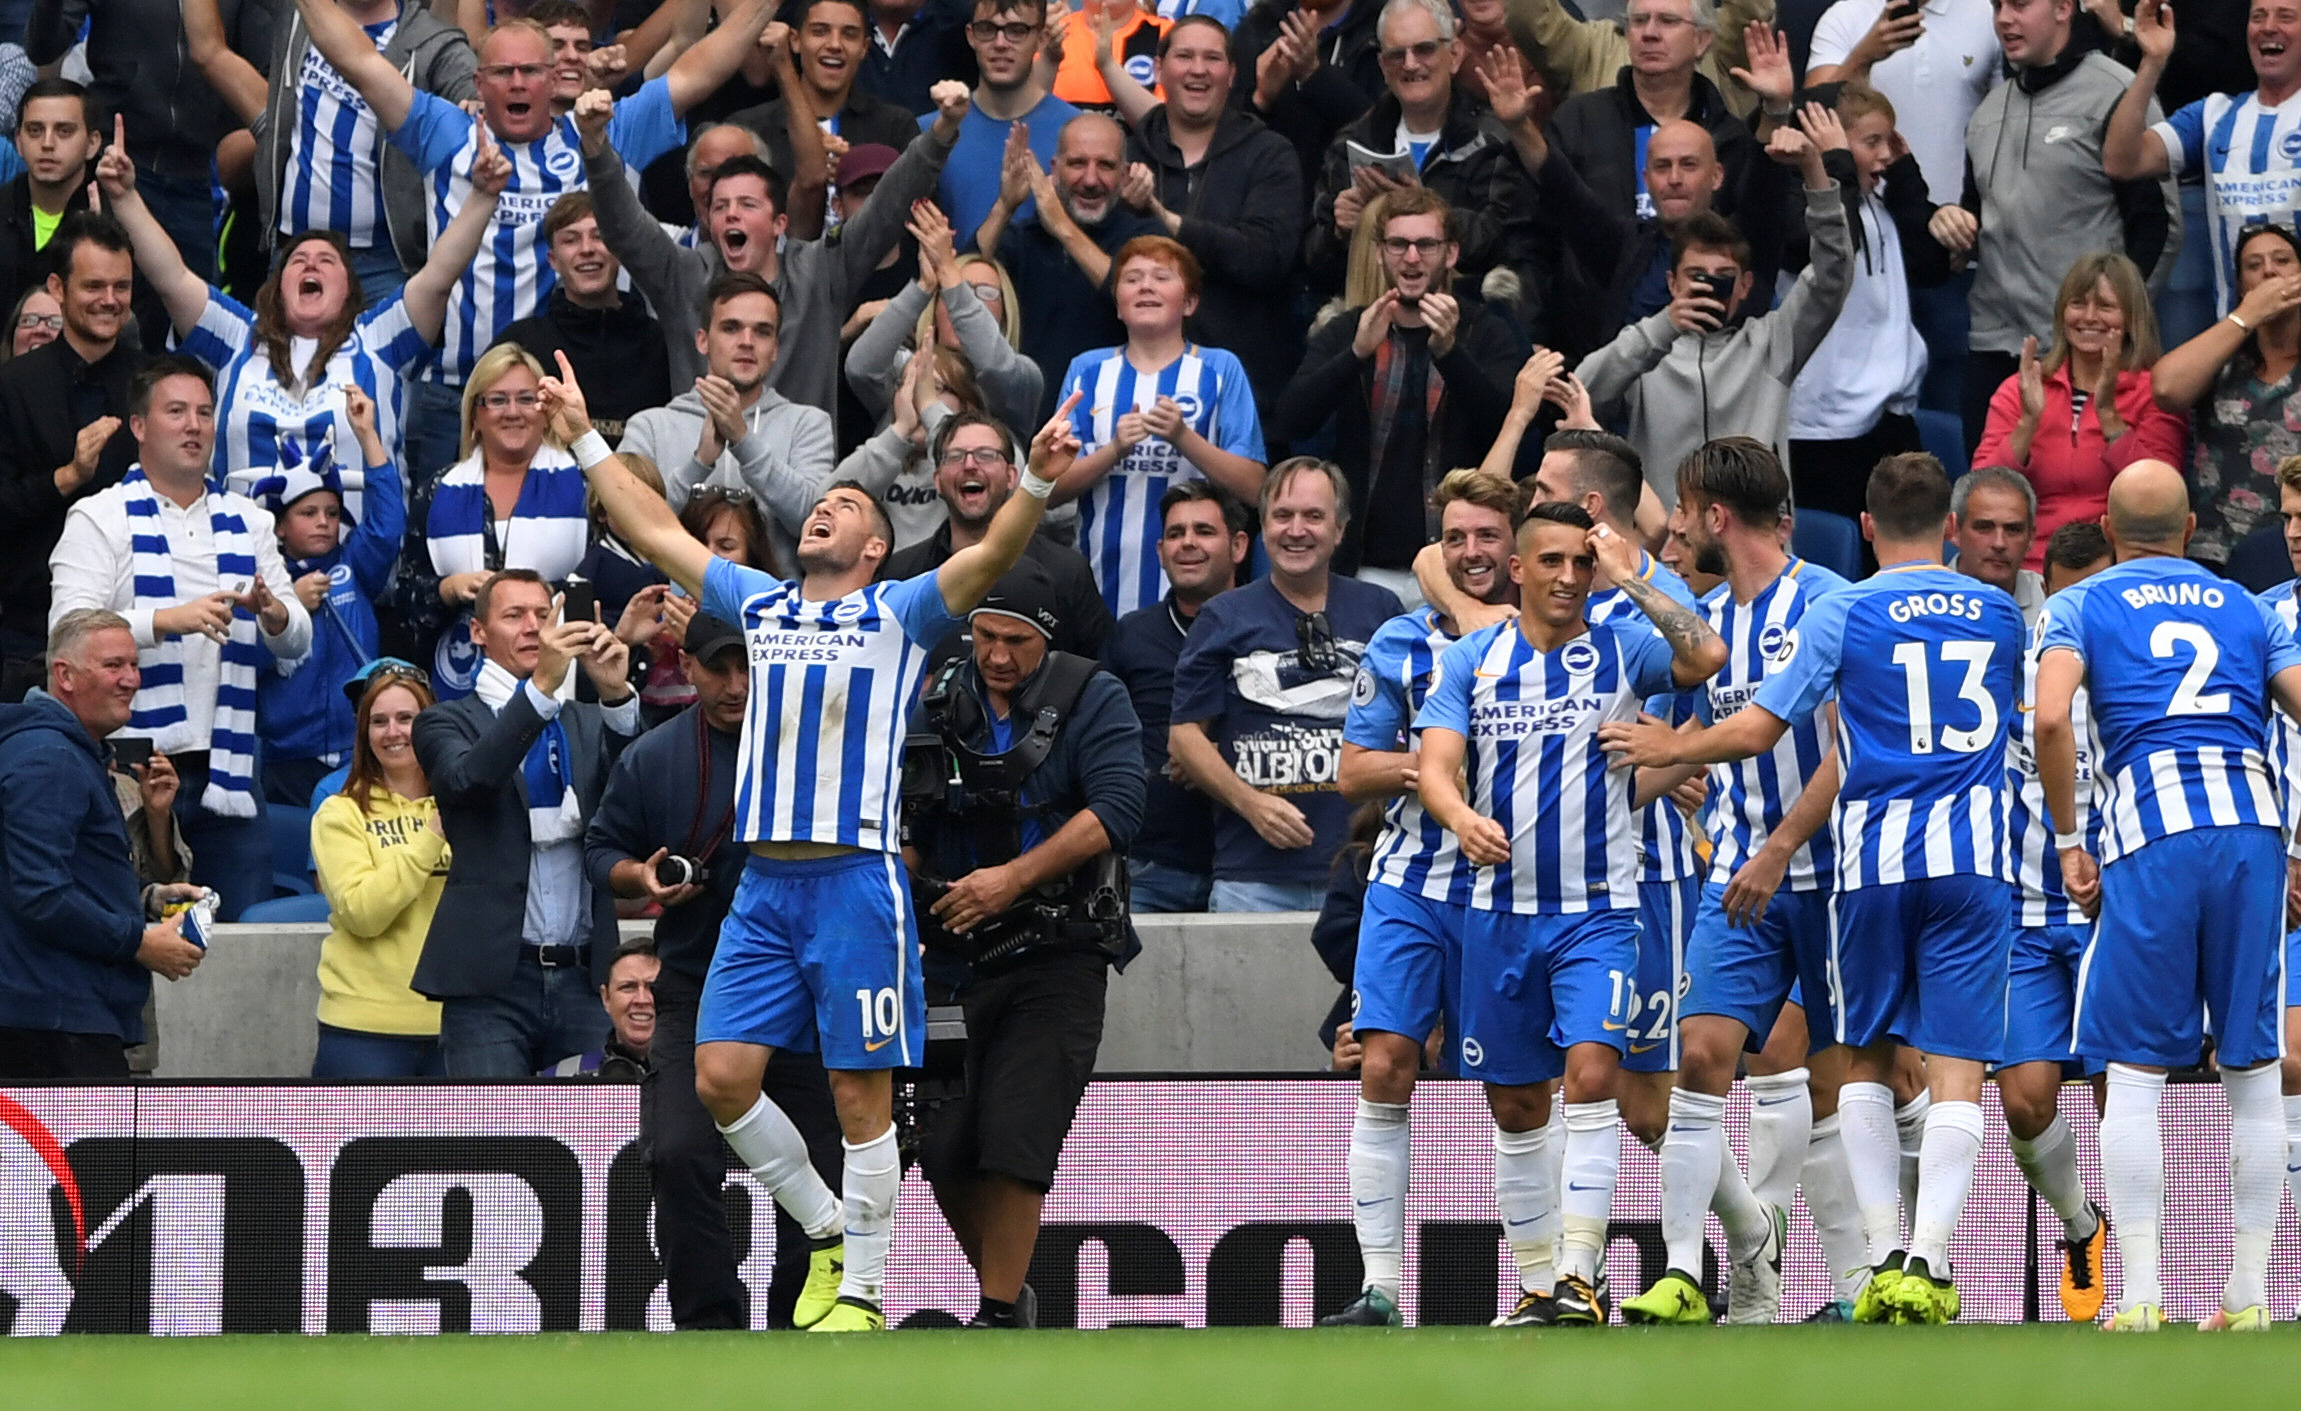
(784, 460)
(432, 54)
(1682, 389)
(815, 279)
(2035, 180)
(1011, 383)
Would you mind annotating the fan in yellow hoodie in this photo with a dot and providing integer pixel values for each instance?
(382, 862)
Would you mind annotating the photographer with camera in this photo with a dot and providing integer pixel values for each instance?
(1022, 786)
(665, 832)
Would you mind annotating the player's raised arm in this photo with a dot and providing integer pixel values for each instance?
(639, 516)
(968, 574)
(1484, 841)
(1696, 653)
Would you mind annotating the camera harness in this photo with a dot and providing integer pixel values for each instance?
(702, 854)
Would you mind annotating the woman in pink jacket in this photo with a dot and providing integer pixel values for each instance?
(2071, 422)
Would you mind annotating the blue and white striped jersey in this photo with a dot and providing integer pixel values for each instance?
(255, 412)
(1534, 764)
(1925, 664)
(2177, 662)
(1118, 516)
(2284, 732)
(510, 279)
(2028, 827)
(832, 684)
(1666, 844)
(2251, 157)
(1414, 853)
(331, 181)
(1749, 798)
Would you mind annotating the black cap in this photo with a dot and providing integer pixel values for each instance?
(708, 636)
(1025, 592)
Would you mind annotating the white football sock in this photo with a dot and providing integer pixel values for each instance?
(1526, 1191)
(1692, 1152)
(1781, 1126)
(1945, 1177)
(1381, 1154)
(1736, 1205)
(1555, 1155)
(1909, 1136)
(1830, 1200)
(2256, 1179)
(765, 1141)
(2133, 1175)
(2293, 1148)
(2049, 1162)
(874, 1175)
(1593, 1158)
(1873, 1161)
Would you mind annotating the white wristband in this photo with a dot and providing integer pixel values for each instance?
(1034, 486)
(2062, 842)
(590, 449)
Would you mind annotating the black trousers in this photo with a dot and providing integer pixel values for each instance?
(39, 1055)
(689, 1164)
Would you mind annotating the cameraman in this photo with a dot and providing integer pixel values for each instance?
(1018, 806)
(670, 803)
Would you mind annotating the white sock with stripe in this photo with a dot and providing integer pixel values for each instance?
(1781, 1126)
(766, 1142)
(2256, 1179)
(2133, 1175)
(1526, 1192)
(874, 1175)
(1873, 1160)
(1593, 1160)
(1381, 1154)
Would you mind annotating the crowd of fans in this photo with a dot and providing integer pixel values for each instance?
(286, 280)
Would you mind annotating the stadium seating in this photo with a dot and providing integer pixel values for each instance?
(1831, 540)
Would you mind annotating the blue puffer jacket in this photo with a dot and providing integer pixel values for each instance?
(71, 911)
(300, 707)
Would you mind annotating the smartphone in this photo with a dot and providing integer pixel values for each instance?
(1719, 287)
(130, 753)
(1902, 10)
(582, 602)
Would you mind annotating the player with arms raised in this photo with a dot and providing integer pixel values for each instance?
(2190, 888)
(1925, 664)
(1410, 935)
(820, 949)
(1550, 946)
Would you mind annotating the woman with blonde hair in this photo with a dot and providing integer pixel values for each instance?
(2072, 420)
(515, 500)
(961, 303)
(382, 858)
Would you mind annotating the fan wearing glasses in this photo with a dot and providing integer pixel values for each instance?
(1438, 135)
(1005, 35)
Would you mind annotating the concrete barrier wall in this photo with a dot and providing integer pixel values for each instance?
(1209, 994)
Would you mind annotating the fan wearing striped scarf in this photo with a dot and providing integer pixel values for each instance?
(197, 573)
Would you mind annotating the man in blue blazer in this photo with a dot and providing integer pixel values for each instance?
(522, 941)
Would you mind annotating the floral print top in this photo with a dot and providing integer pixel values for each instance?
(2244, 428)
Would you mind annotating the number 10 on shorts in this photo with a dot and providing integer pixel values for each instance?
(882, 1015)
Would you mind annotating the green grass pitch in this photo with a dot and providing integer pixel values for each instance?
(1781, 1369)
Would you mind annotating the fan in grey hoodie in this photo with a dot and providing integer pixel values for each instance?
(785, 452)
(816, 279)
(1683, 375)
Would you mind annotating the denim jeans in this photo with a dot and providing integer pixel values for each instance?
(1153, 888)
(351, 1053)
(1265, 896)
(230, 856)
(432, 431)
(185, 207)
(379, 271)
(544, 1015)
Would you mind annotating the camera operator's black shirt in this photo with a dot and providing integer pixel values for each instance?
(659, 796)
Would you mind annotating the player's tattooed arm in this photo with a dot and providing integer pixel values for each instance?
(1699, 651)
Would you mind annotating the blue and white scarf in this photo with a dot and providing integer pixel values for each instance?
(553, 814)
(160, 700)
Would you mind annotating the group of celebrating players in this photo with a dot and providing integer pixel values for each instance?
(2051, 849)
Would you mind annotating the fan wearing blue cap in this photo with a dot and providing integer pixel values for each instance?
(306, 724)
